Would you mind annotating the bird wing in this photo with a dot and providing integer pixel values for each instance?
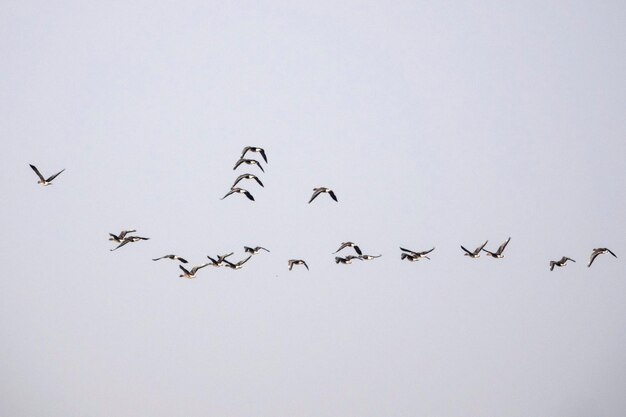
(290, 263)
(247, 194)
(55, 175)
(468, 252)
(261, 247)
(183, 260)
(594, 255)
(343, 245)
(239, 178)
(184, 270)
(611, 252)
(262, 152)
(427, 252)
(409, 251)
(315, 194)
(552, 263)
(196, 268)
(481, 247)
(244, 151)
(502, 246)
(358, 250)
(241, 161)
(232, 190)
(307, 267)
(156, 259)
(259, 165)
(120, 245)
(125, 232)
(332, 195)
(244, 261)
(37, 172)
(258, 180)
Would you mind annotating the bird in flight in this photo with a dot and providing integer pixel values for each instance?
(599, 251)
(173, 257)
(45, 181)
(221, 259)
(120, 237)
(561, 262)
(347, 260)
(349, 245)
(254, 149)
(415, 256)
(247, 177)
(129, 239)
(190, 274)
(293, 262)
(369, 257)
(255, 250)
(248, 162)
(237, 265)
(498, 254)
(476, 253)
(320, 190)
(239, 191)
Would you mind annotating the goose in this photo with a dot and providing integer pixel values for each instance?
(254, 149)
(45, 181)
(248, 162)
(476, 253)
(121, 236)
(240, 191)
(129, 239)
(173, 257)
(255, 250)
(498, 254)
(293, 262)
(237, 265)
(349, 245)
(369, 257)
(599, 251)
(560, 262)
(220, 259)
(412, 254)
(319, 190)
(248, 177)
(190, 274)
(347, 260)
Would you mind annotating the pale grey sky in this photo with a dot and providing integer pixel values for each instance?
(437, 123)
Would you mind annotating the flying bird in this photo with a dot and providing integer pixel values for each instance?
(415, 256)
(476, 253)
(173, 257)
(220, 259)
(190, 274)
(349, 245)
(369, 257)
(293, 262)
(498, 254)
(254, 149)
(120, 237)
(320, 190)
(247, 177)
(347, 260)
(129, 239)
(239, 191)
(561, 262)
(255, 250)
(248, 162)
(599, 251)
(45, 181)
(237, 265)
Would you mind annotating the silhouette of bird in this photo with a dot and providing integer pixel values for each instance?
(173, 257)
(247, 177)
(416, 255)
(599, 251)
(45, 181)
(411, 257)
(190, 274)
(349, 245)
(347, 260)
(476, 253)
(320, 190)
(129, 239)
(220, 259)
(369, 257)
(120, 237)
(561, 262)
(498, 254)
(237, 265)
(254, 149)
(248, 162)
(255, 250)
(239, 191)
(293, 262)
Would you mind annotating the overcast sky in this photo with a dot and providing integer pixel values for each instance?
(436, 123)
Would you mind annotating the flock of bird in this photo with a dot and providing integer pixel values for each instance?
(125, 236)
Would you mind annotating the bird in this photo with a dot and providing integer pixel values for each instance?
(248, 177)
(416, 255)
(498, 254)
(248, 162)
(240, 191)
(173, 257)
(560, 262)
(254, 149)
(220, 259)
(599, 251)
(347, 260)
(237, 265)
(192, 273)
(369, 257)
(476, 253)
(129, 239)
(45, 181)
(255, 250)
(349, 245)
(293, 262)
(319, 190)
(120, 237)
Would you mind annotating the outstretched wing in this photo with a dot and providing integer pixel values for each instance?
(244, 151)
(503, 246)
(55, 175)
(37, 172)
(594, 255)
(409, 251)
(343, 245)
(468, 252)
(332, 195)
(358, 250)
(427, 252)
(120, 245)
(244, 261)
(315, 194)
(307, 267)
(258, 180)
(247, 194)
(228, 193)
(481, 247)
(261, 247)
(241, 160)
(611, 252)
(184, 270)
(262, 152)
